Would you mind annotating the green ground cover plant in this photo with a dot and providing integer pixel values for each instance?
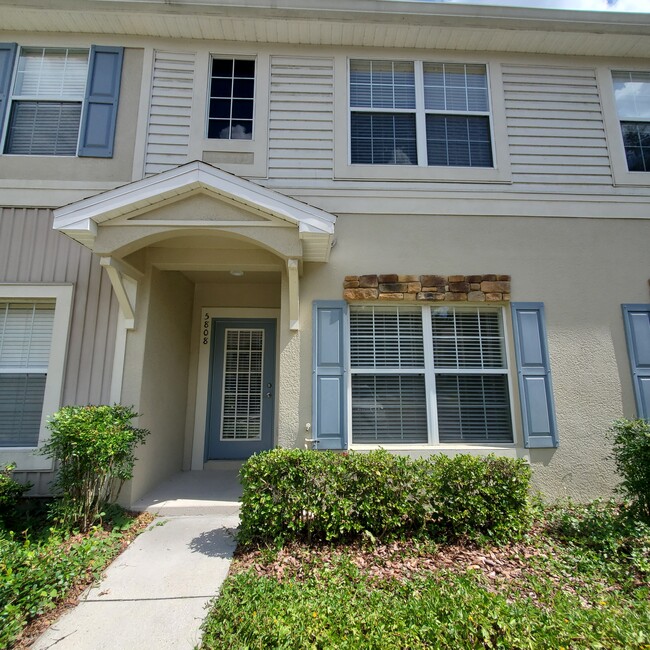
(579, 580)
(40, 564)
(324, 496)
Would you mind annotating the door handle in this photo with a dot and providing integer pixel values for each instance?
(268, 394)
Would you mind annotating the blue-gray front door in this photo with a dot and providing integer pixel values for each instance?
(242, 387)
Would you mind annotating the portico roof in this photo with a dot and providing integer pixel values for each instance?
(260, 206)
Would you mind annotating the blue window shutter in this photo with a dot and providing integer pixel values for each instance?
(535, 387)
(7, 58)
(100, 103)
(328, 402)
(637, 333)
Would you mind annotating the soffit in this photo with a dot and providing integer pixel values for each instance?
(370, 23)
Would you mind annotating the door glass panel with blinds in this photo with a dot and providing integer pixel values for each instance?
(25, 339)
(46, 102)
(400, 380)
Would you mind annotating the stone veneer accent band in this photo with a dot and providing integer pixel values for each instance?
(427, 288)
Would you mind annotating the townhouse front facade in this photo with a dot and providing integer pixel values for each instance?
(417, 226)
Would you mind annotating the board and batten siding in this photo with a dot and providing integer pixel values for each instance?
(170, 111)
(31, 252)
(556, 131)
(301, 118)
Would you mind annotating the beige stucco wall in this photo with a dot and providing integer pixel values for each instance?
(156, 376)
(77, 170)
(582, 269)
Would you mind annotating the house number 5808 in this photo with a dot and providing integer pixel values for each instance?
(206, 328)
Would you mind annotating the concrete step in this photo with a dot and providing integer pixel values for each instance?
(213, 492)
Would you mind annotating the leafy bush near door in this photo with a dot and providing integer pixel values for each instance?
(10, 490)
(95, 449)
(310, 495)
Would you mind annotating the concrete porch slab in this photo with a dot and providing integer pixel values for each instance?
(214, 491)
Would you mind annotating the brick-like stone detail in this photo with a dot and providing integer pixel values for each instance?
(427, 288)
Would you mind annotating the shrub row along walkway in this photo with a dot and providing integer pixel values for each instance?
(154, 595)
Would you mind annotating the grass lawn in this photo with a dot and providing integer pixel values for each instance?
(580, 579)
(43, 569)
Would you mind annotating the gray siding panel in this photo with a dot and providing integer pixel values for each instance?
(32, 252)
(301, 118)
(170, 111)
(556, 131)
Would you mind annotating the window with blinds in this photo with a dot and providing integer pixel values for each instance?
(419, 113)
(25, 339)
(398, 377)
(46, 102)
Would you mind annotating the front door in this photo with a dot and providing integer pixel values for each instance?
(242, 388)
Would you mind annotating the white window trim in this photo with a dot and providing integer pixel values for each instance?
(24, 457)
(11, 98)
(200, 144)
(512, 449)
(343, 169)
(614, 137)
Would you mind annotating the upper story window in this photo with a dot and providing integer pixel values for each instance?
(632, 95)
(46, 102)
(59, 101)
(231, 101)
(419, 113)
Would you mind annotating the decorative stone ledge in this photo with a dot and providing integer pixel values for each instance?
(427, 288)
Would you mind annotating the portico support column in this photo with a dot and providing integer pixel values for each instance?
(289, 366)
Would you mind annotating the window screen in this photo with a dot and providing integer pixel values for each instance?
(25, 339)
(46, 102)
(397, 380)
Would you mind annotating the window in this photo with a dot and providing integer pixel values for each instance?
(46, 102)
(419, 113)
(25, 338)
(632, 95)
(231, 101)
(428, 375)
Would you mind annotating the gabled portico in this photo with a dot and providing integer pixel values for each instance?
(203, 264)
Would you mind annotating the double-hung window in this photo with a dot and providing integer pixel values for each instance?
(419, 113)
(428, 375)
(46, 102)
(231, 101)
(25, 339)
(632, 95)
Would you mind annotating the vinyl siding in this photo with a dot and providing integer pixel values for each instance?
(555, 124)
(170, 111)
(32, 252)
(301, 120)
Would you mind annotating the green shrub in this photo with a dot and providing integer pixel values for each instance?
(10, 490)
(294, 494)
(94, 446)
(631, 448)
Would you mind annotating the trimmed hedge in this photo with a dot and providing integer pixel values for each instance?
(325, 496)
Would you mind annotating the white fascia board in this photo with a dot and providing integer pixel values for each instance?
(185, 179)
(352, 11)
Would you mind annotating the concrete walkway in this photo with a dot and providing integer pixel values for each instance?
(155, 594)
